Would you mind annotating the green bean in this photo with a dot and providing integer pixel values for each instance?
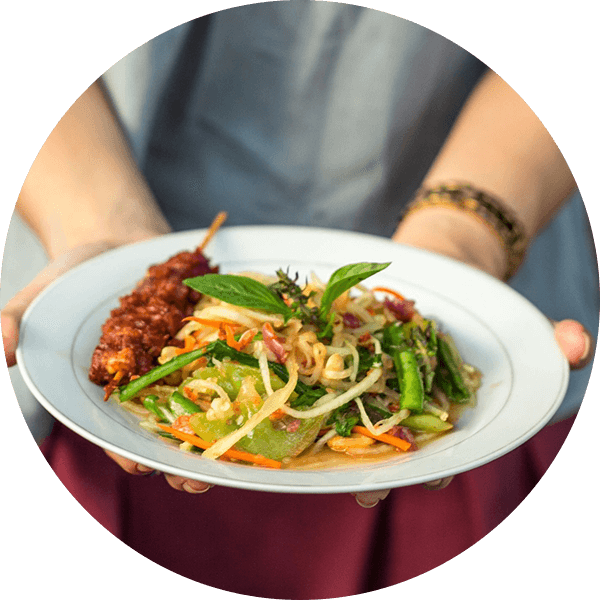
(423, 343)
(412, 393)
(180, 405)
(128, 391)
(427, 423)
(457, 390)
(220, 350)
(410, 382)
(161, 412)
(150, 404)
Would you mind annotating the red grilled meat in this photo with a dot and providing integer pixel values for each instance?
(146, 320)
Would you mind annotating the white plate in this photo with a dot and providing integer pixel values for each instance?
(496, 329)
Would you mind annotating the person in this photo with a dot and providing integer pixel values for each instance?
(312, 114)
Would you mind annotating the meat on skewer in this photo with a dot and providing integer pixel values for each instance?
(149, 318)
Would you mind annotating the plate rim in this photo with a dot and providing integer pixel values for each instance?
(172, 241)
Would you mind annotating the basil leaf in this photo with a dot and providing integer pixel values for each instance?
(344, 279)
(239, 291)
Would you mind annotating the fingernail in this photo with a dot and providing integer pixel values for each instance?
(586, 357)
(196, 487)
(438, 484)
(8, 341)
(572, 333)
(367, 504)
(370, 499)
(143, 469)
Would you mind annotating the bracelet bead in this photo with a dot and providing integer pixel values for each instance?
(487, 209)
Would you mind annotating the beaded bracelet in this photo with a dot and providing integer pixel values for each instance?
(498, 218)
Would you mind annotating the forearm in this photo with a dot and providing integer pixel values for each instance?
(84, 185)
(497, 145)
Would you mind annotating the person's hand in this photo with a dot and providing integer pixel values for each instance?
(178, 483)
(574, 340)
(11, 318)
(15, 308)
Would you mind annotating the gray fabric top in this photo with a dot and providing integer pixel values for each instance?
(321, 114)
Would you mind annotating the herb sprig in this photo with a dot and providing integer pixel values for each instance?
(286, 287)
(249, 293)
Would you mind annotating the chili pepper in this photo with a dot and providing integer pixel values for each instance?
(180, 405)
(133, 387)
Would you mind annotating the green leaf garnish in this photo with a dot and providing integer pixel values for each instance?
(240, 291)
(249, 293)
(345, 278)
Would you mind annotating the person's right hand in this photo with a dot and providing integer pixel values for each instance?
(15, 308)
(11, 317)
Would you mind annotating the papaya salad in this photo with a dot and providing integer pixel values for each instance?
(265, 369)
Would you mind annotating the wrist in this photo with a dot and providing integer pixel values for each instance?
(109, 224)
(454, 234)
(61, 244)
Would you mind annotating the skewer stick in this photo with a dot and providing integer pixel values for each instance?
(216, 224)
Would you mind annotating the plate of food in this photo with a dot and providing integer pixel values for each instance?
(288, 359)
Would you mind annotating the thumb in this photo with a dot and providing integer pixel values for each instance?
(575, 342)
(14, 309)
(10, 337)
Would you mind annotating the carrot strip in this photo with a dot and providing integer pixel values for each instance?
(189, 345)
(384, 437)
(231, 341)
(209, 322)
(388, 291)
(247, 338)
(240, 344)
(278, 414)
(256, 459)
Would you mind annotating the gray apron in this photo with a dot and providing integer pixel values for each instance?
(320, 114)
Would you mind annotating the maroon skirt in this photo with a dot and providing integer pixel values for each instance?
(298, 546)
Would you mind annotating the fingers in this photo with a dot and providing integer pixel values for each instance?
(177, 483)
(129, 466)
(14, 309)
(12, 313)
(575, 342)
(438, 484)
(370, 499)
(187, 485)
